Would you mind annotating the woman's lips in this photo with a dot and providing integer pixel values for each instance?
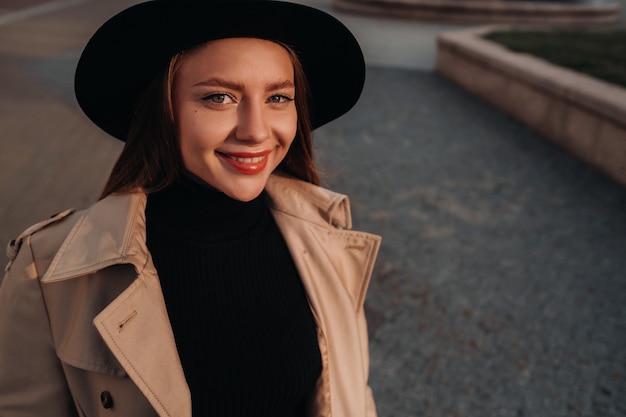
(246, 162)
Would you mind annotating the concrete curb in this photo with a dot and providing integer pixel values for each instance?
(584, 115)
(488, 11)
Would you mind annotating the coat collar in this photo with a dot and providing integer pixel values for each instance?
(307, 201)
(113, 230)
(110, 232)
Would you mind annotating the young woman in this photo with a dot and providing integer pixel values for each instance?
(214, 277)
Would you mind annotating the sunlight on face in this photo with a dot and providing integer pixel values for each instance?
(235, 113)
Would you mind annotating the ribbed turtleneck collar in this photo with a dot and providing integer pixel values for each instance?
(189, 209)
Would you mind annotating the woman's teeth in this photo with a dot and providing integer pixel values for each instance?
(254, 160)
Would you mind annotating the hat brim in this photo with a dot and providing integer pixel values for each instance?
(128, 50)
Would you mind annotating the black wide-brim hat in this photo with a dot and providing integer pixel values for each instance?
(130, 48)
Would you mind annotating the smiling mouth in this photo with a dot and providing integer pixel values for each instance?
(246, 163)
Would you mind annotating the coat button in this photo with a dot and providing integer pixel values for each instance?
(106, 399)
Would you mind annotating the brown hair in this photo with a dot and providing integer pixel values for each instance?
(151, 158)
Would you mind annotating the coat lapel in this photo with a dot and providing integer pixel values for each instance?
(135, 325)
(335, 265)
(136, 328)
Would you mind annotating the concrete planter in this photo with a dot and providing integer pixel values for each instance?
(584, 115)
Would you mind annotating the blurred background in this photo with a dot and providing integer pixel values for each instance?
(500, 289)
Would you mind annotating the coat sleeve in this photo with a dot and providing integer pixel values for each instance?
(32, 382)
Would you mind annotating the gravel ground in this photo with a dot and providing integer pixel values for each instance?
(501, 285)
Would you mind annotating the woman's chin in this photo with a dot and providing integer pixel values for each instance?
(245, 192)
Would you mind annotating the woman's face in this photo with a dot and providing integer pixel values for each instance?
(235, 113)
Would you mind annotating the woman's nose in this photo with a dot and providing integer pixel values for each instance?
(252, 123)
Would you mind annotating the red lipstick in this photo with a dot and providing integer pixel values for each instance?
(249, 163)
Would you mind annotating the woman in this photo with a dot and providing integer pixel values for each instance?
(214, 276)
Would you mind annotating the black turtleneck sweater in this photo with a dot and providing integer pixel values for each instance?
(244, 331)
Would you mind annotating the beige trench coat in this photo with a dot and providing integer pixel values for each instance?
(83, 325)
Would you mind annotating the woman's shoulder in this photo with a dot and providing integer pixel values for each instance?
(56, 228)
(45, 238)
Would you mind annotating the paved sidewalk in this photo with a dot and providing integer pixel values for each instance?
(13, 6)
(501, 284)
(16, 10)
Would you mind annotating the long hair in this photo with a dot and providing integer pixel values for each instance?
(151, 159)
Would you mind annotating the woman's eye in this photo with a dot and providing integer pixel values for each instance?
(218, 98)
(279, 98)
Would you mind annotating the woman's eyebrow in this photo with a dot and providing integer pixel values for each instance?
(280, 85)
(220, 82)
